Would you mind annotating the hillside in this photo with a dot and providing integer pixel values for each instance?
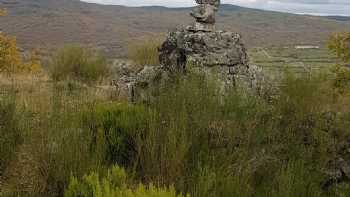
(51, 23)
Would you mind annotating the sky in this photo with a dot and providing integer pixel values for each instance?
(315, 7)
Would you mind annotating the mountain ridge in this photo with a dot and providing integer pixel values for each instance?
(51, 24)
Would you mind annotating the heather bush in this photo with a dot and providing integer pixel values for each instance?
(114, 184)
(77, 63)
(114, 129)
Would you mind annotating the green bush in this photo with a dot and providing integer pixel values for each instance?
(77, 63)
(144, 52)
(114, 129)
(342, 79)
(114, 184)
(193, 127)
(59, 143)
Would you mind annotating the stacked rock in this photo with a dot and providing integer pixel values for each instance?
(204, 15)
(210, 51)
(200, 48)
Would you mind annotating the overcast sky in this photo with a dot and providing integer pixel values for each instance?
(318, 7)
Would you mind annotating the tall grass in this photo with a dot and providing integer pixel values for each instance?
(194, 138)
(9, 130)
(145, 52)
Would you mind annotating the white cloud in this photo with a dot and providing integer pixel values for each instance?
(318, 7)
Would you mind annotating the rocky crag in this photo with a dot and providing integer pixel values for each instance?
(203, 49)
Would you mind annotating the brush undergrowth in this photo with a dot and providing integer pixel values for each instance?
(190, 137)
(74, 62)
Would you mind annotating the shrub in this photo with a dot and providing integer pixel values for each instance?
(193, 137)
(33, 64)
(342, 78)
(339, 43)
(144, 52)
(77, 63)
(10, 57)
(118, 126)
(114, 184)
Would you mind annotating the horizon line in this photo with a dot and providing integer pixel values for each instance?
(184, 7)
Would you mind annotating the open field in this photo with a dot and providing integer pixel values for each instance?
(276, 61)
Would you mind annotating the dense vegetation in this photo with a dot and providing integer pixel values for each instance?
(188, 137)
(79, 64)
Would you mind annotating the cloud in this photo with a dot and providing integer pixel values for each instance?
(317, 7)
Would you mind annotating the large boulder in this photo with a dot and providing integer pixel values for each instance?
(219, 53)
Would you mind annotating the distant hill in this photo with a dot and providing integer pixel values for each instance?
(52, 23)
(339, 18)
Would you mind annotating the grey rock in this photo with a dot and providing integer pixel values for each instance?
(217, 53)
(204, 15)
(199, 48)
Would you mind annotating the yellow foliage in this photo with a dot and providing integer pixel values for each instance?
(11, 60)
(34, 64)
(115, 185)
(340, 44)
(10, 57)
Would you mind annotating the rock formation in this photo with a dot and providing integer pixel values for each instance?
(201, 48)
(204, 14)
(210, 51)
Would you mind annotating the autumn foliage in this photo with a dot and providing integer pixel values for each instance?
(11, 60)
(340, 44)
(10, 57)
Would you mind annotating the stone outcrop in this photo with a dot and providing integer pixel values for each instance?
(201, 48)
(207, 49)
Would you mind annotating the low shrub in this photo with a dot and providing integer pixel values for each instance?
(339, 43)
(77, 63)
(342, 79)
(114, 184)
(114, 129)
